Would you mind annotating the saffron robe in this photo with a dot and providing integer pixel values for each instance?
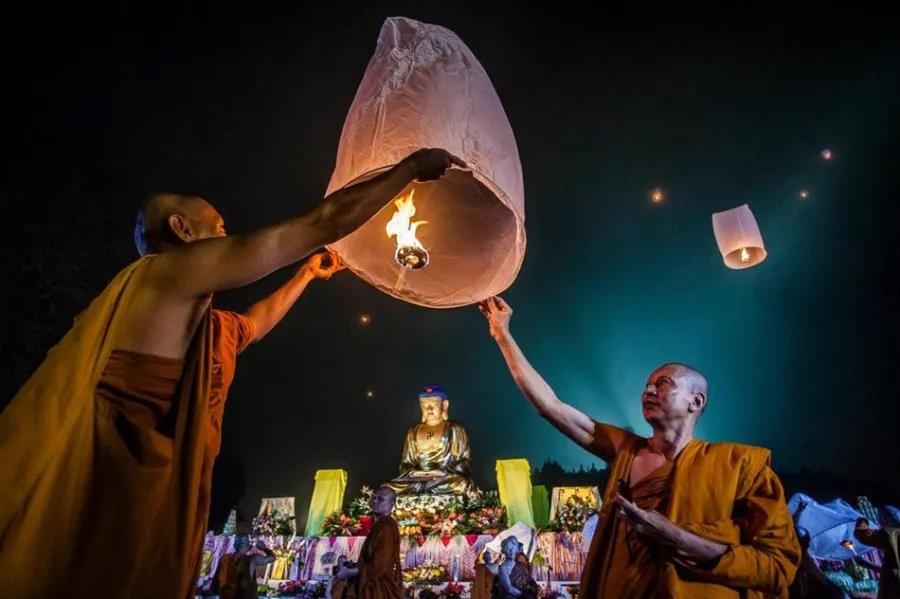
(380, 574)
(723, 492)
(107, 479)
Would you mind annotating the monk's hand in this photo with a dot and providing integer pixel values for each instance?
(323, 264)
(429, 164)
(498, 313)
(649, 523)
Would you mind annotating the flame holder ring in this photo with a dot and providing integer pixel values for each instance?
(411, 257)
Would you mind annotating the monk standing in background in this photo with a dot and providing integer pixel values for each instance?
(680, 517)
(235, 576)
(108, 448)
(378, 573)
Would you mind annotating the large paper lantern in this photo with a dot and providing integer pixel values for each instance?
(424, 88)
(738, 237)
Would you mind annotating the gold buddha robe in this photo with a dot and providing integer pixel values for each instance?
(435, 466)
(723, 492)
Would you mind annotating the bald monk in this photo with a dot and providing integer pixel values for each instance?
(378, 574)
(681, 517)
(108, 448)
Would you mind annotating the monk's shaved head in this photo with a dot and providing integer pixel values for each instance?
(383, 501)
(693, 378)
(674, 393)
(171, 219)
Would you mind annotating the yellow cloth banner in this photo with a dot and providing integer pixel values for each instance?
(514, 482)
(327, 498)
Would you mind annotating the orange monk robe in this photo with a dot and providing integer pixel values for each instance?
(235, 577)
(723, 492)
(108, 458)
(379, 564)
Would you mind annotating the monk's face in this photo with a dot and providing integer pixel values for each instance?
(383, 502)
(669, 397)
(432, 410)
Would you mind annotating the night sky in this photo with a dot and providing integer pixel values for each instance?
(244, 103)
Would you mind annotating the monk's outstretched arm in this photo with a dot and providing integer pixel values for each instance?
(269, 311)
(203, 267)
(569, 420)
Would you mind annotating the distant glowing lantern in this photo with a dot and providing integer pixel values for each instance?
(657, 195)
(364, 319)
(738, 237)
(826, 154)
(370, 394)
(804, 194)
(424, 88)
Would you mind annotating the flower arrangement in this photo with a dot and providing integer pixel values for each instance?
(427, 573)
(486, 520)
(341, 525)
(551, 593)
(362, 504)
(291, 588)
(453, 590)
(275, 523)
(571, 516)
(420, 516)
(294, 588)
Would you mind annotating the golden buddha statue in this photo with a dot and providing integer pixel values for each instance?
(436, 451)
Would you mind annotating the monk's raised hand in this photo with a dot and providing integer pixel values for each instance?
(324, 264)
(649, 523)
(498, 313)
(429, 164)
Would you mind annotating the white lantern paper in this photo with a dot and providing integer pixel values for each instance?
(424, 88)
(738, 237)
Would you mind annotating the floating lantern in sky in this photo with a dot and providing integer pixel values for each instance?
(804, 194)
(364, 319)
(370, 394)
(424, 88)
(826, 154)
(738, 237)
(657, 196)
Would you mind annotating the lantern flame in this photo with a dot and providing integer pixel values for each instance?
(410, 251)
(745, 255)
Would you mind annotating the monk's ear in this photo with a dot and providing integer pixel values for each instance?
(180, 228)
(445, 409)
(698, 402)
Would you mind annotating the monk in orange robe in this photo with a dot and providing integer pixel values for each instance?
(235, 576)
(681, 517)
(108, 448)
(377, 574)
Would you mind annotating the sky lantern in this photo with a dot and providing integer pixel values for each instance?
(451, 242)
(738, 237)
